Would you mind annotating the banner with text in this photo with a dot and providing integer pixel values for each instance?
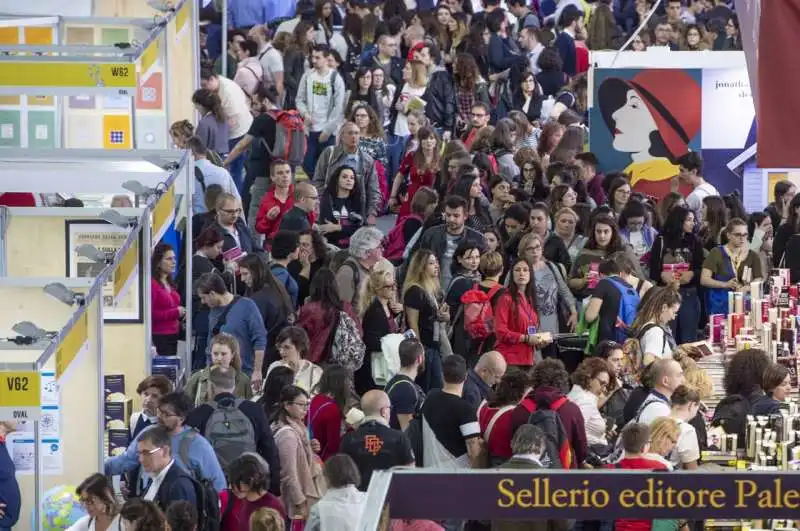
(601, 495)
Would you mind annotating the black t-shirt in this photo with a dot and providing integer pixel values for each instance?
(418, 299)
(611, 297)
(452, 420)
(406, 397)
(375, 446)
(263, 127)
(410, 228)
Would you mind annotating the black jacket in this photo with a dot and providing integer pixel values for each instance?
(440, 97)
(177, 486)
(435, 239)
(395, 70)
(265, 444)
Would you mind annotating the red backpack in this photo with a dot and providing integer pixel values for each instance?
(393, 243)
(290, 137)
(479, 311)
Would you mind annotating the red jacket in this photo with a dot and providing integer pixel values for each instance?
(511, 322)
(326, 423)
(269, 227)
(318, 324)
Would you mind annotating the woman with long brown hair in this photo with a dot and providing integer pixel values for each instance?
(296, 60)
(417, 169)
(470, 88)
(373, 136)
(552, 132)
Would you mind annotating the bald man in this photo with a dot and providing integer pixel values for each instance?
(306, 203)
(374, 445)
(480, 379)
(667, 376)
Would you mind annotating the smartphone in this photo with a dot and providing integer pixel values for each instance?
(409, 334)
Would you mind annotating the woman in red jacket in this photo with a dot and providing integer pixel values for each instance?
(166, 302)
(328, 409)
(516, 322)
(417, 169)
(318, 316)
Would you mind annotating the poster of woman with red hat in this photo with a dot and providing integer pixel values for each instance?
(652, 117)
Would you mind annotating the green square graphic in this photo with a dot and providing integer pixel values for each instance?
(111, 36)
(41, 129)
(9, 129)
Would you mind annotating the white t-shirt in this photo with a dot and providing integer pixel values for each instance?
(695, 199)
(401, 124)
(688, 448)
(654, 342)
(655, 409)
(87, 523)
(321, 98)
(236, 107)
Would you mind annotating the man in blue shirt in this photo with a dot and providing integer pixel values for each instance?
(189, 449)
(244, 14)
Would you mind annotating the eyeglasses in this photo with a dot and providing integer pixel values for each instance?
(145, 453)
(166, 414)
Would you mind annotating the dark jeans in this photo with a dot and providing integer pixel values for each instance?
(237, 166)
(313, 151)
(166, 345)
(685, 326)
(394, 151)
(200, 333)
(431, 377)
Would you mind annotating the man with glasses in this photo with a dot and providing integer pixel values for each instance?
(168, 483)
(302, 215)
(191, 450)
(374, 445)
(238, 238)
(479, 118)
(483, 377)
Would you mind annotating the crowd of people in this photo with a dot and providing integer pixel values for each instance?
(516, 279)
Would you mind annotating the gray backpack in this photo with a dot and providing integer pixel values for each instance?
(229, 431)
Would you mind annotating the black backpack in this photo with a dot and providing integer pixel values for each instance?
(558, 452)
(208, 512)
(731, 415)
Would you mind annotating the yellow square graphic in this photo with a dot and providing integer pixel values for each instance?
(38, 35)
(117, 131)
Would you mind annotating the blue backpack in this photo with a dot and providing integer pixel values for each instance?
(628, 304)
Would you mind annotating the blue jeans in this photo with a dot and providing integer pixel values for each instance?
(685, 326)
(237, 166)
(431, 377)
(313, 151)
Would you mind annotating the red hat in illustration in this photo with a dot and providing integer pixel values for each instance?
(673, 98)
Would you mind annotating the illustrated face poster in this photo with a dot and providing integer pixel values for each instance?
(643, 120)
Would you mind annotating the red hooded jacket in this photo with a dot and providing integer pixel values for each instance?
(511, 322)
(269, 227)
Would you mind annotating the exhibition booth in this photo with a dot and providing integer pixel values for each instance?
(97, 82)
(51, 367)
(75, 284)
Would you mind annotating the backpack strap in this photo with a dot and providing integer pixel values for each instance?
(499, 413)
(644, 330)
(226, 512)
(557, 404)
(200, 178)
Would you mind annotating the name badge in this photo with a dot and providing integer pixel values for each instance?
(531, 330)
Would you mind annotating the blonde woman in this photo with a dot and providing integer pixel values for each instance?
(565, 224)
(664, 435)
(379, 318)
(426, 313)
(225, 354)
(408, 99)
(181, 131)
